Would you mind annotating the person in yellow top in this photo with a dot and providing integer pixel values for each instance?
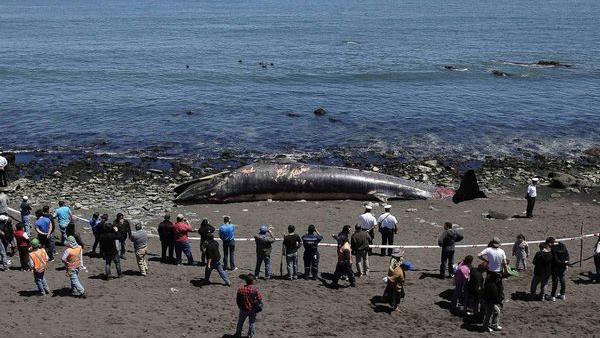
(38, 260)
(73, 260)
(395, 278)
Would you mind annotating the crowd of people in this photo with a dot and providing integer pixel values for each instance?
(478, 287)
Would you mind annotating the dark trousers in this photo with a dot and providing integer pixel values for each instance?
(387, 238)
(343, 268)
(108, 259)
(597, 263)
(96, 242)
(530, 205)
(558, 276)
(311, 264)
(123, 249)
(3, 180)
(24, 257)
(48, 244)
(228, 254)
(447, 260)
(166, 246)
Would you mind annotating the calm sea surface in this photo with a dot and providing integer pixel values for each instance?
(111, 76)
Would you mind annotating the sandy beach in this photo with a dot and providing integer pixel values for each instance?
(171, 300)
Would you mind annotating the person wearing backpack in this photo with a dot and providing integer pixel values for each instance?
(250, 302)
(446, 241)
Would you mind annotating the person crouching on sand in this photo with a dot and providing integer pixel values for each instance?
(38, 259)
(73, 260)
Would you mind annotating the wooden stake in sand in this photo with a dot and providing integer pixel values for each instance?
(581, 246)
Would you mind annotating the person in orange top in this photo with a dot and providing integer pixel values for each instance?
(182, 241)
(73, 260)
(38, 260)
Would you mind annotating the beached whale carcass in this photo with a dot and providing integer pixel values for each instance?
(262, 181)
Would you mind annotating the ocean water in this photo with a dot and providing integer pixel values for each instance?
(182, 78)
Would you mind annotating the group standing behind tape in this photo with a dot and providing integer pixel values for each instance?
(376, 245)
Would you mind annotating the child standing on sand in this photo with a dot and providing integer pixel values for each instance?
(38, 260)
(22, 240)
(521, 252)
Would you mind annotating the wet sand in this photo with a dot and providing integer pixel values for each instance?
(172, 302)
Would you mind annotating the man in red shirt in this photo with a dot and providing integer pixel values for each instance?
(249, 301)
(182, 241)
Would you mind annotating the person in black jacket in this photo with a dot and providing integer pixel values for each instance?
(167, 239)
(446, 241)
(108, 245)
(493, 296)
(203, 231)
(560, 265)
(213, 257)
(542, 262)
(474, 290)
(124, 232)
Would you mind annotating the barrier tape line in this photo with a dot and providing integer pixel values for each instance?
(375, 246)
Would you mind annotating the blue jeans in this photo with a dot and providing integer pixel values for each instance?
(63, 233)
(228, 253)
(185, 247)
(41, 283)
(263, 258)
(76, 286)
(216, 265)
(109, 259)
(26, 219)
(242, 318)
(3, 256)
(292, 264)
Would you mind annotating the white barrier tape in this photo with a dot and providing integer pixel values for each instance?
(376, 246)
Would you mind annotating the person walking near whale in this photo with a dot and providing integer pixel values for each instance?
(388, 226)
(531, 195)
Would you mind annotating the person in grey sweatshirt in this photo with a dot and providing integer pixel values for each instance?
(139, 237)
(446, 241)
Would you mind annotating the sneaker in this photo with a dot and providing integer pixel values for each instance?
(553, 299)
(497, 328)
(562, 297)
(234, 268)
(489, 329)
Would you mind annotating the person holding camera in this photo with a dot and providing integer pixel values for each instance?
(182, 241)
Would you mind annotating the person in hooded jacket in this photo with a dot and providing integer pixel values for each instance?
(264, 241)
(560, 265)
(446, 241)
(542, 262)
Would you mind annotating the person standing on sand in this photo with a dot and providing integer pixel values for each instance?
(474, 290)
(250, 302)
(597, 259)
(25, 209)
(22, 240)
(311, 242)
(43, 227)
(3, 164)
(388, 226)
(493, 290)
(50, 216)
(38, 260)
(291, 243)
(531, 195)
(108, 246)
(139, 237)
(3, 243)
(73, 260)
(4, 201)
(463, 273)
(344, 234)
(395, 278)
(64, 216)
(359, 243)
(446, 241)
(542, 265)
(344, 265)
(560, 265)
(368, 222)
(96, 226)
(264, 241)
(213, 257)
(203, 231)
(124, 232)
(521, 252)
(182, 241)
(167, 239)
(227, 235)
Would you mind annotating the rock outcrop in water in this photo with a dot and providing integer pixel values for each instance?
(552, 63)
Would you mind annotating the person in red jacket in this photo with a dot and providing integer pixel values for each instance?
(182, 241)
(23, 246)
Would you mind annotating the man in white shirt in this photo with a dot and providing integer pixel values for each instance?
(388, 226)
(368, 222)
(3, 164)
(493, 290)
(494, 256)
(531, 195)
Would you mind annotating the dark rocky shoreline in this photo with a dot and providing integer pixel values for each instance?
(142, 187)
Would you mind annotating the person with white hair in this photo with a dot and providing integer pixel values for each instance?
(3, 179)
(531, 195)
(388, 226)
(139, 237)
(368, 222)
